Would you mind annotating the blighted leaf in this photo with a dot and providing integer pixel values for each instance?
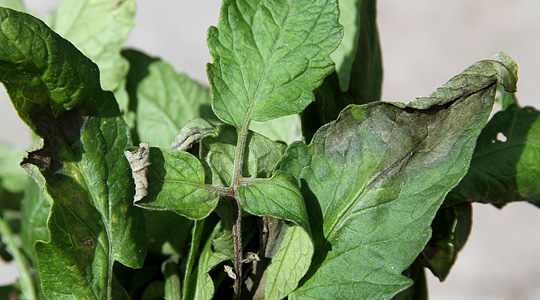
(99, 29)
(139, 160)
(192, 133)
(218, 154)
(175, 181)
(80, 164)
(268, 58)
(506, 162)
(374, 179)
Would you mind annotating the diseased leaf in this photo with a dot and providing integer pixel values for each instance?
(99, 29)
(374, 179)
(192, 133)
(218, 151)
(506, 162)
(164, 100)
(176, 182)
(268, 58)
(56, 91)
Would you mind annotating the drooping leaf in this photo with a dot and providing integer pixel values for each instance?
(451, 228)
(358, 57)
(56, 91)
(99, 29)
(268, 58)
(506, 162)
(218, 151)
(374, 179)
(163, 99)
(174, 181)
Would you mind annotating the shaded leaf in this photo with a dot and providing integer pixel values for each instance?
(56, 91)
(268, 58)
(374, 179)
(451, 228)
(176, 182)
(506, 162)
(358, 57)
(173, 285)
(99, 29)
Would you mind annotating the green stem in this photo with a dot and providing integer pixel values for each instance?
(26, 280)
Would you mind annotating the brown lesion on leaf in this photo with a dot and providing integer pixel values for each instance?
(90, 244)
(139, 161)
(44, 158)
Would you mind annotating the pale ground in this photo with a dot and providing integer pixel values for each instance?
(425, 43)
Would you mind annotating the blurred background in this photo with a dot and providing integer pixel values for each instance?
(424, 44)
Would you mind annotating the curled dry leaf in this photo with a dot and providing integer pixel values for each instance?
(139, 160)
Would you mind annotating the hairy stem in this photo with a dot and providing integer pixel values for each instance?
(237, 208)
(237, 237)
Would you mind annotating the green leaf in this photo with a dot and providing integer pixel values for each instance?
(13, 4)
(163, 99)
(200, 285)
(36, 207)
(278, 197)
(12, 177)
(99, 29)
(175, 181)
(173, 286)
(506, 164)
(218, 150)
(358, 57)
(451, 228)
(56, 91)
(26, 280)
(290, 263)
(285, 129)
(374, 179)
(268, 58)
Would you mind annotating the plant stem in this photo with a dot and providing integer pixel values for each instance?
(237, 237)
(237, 208)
